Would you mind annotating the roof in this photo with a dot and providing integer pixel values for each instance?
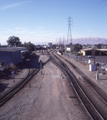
(102, 49)
(85, 49)
(8, 50)
(24, 51)
(95, 49)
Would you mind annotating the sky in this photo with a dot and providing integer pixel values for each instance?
(43, 21)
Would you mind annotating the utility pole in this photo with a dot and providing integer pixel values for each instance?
(63, 42)
(60, 43)
(69, 35)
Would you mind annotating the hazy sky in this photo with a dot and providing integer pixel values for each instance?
(46, 20)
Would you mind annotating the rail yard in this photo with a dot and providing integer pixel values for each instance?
(55, 89)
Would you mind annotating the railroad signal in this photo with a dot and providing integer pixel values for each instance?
(41, 65)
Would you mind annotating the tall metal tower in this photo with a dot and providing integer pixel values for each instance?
(69, 35)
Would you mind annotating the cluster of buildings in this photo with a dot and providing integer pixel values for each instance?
(15, 55)
(86, 50)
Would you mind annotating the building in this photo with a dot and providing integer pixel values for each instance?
(61, 47)
(50, 44)
(3, 46)
(24, 52)
(9, 56)
(97, 52)
(70, 48)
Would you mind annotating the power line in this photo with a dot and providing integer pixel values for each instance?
(69, 35)
(94, 13)
(88, 12)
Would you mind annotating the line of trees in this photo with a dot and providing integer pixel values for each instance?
(15, 41)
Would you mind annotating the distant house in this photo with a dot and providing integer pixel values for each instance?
(50, 44)
(104, 46)
(84, 46)
(70, 48)
(61, 47)
(3, 46)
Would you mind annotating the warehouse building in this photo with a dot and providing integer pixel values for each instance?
(98, 52)
(9, 56)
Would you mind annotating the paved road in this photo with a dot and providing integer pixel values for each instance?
(50, 97)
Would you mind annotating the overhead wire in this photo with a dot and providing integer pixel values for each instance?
(88, 12)
(87, 18)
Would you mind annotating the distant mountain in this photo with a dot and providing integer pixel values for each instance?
(90, 40)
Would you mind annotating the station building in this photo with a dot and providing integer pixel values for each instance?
(98, 52)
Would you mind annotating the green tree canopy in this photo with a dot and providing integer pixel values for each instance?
(77, 47)
(30, 46)
(14, 41)
(99, 46)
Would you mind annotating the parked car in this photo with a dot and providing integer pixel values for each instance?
(90, 56)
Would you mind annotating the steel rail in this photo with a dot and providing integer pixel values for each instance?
(89, 81)
(98, 106)
(94, 113)
(5, 97)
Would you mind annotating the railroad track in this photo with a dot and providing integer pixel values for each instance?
(94, 109)
(5, 97)
(89, 81)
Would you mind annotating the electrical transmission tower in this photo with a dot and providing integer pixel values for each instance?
(69, 35)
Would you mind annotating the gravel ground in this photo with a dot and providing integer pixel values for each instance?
(50, 97)
(43, 56)
(102, 82)
(6, 84)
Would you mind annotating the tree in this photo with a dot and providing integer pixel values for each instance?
(54, 46)
(77, 48)
(99, 46)
(14, 41)
(30, 46)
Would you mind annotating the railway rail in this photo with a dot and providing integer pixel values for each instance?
(89, 81)
(7, 95)
(94, 109)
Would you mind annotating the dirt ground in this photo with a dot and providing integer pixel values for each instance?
(50, 97)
